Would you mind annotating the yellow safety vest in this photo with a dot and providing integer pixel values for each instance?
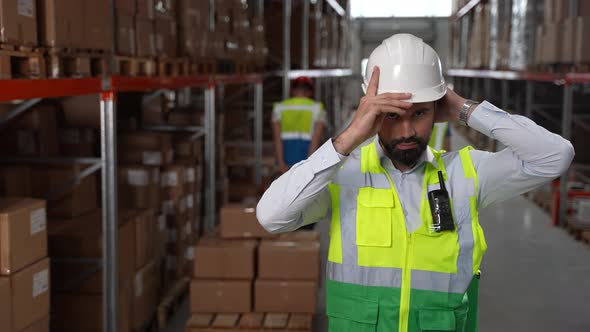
(380, 276)
(298, 117)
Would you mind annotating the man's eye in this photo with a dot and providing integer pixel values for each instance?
(392, 116)
(419, 113)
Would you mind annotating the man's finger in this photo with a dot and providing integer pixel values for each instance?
(393, 102)
(395, 95)
(373, 83)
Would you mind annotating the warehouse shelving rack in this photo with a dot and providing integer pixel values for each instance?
(30, 92)
(473, 82)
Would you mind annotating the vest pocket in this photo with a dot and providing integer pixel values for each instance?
(347, 314)
(373, 217)
(437, 320)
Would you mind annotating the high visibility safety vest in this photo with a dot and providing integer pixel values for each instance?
(439, 132)
(382, 278)
(298, 117)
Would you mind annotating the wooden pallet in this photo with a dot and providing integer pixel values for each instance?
(173, 67)
(76, 62)
(250, 322)
(204, 66)
(22, 64)
(244, 68)
(17, 47)
(172, 300)
(135, 66)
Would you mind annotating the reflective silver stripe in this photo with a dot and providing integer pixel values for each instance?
(353, 166)
(441, 282)
(364, 276)
(348, 198)
(295, 135)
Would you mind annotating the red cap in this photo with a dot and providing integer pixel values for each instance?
(302, 81)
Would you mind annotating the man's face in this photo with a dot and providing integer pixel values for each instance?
(405, 138)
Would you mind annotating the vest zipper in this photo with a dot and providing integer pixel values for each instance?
(404, 309)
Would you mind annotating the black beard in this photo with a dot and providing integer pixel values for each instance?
(406, 157)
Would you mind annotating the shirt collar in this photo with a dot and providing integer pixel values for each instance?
(427, 156)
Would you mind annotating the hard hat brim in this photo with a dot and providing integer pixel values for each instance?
(418, 95)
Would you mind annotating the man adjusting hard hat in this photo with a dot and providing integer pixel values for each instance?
(405, 240)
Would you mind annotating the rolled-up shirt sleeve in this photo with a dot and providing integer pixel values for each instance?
(533, 155)
(300, 196)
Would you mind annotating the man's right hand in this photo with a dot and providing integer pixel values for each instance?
(369, 116)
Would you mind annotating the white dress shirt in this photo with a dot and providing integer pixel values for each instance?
(533, 157)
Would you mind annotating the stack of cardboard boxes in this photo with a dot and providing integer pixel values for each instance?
(194, 29)
(136, 28)
(24, 266)
(562, 37)
(238, 274)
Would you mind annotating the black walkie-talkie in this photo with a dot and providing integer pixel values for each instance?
(440, 207)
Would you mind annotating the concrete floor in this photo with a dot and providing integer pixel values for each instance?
(535, 276)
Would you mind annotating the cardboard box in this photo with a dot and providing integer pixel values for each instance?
(172, 182)
(31, 134)
(161, 236)
(552, 43)
(216, 296)
(145, 37)
(126, 6)
(98, 25)
(79, 142)
(194, 14)
(289, 260)
(166, 37)
(582, 36)
(189, 260)
(126, 35)
(61, 23)
(570, 28)
(313, 236)
(88, 311)
(561, 10)
(146, 9)
(15, 181)
(225, 259)
(145, 148)
(18, 22)
(285, 296)
(184, 119)
(73, 202)
(540, 32)
(187, 152)
(39, 326)
(145, 235)
(145, 294)
(240, 192)
(82, 238)
(23, 233)
(139, 187)
(30, 294)
(82, 111)
(5, 304)
(239, 221)
(165, 8)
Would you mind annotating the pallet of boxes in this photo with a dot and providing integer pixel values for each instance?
(163, 174)
(561, 39)
(250, 280)
(24, 265)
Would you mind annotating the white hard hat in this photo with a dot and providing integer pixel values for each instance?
(407, 64)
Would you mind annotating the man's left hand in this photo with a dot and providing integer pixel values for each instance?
(448, 108)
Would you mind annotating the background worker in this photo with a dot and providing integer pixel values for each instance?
(405, 237)
(298, 124)
(440, 139)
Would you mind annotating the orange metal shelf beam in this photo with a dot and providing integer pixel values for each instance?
(127, 84)
(47, 88)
